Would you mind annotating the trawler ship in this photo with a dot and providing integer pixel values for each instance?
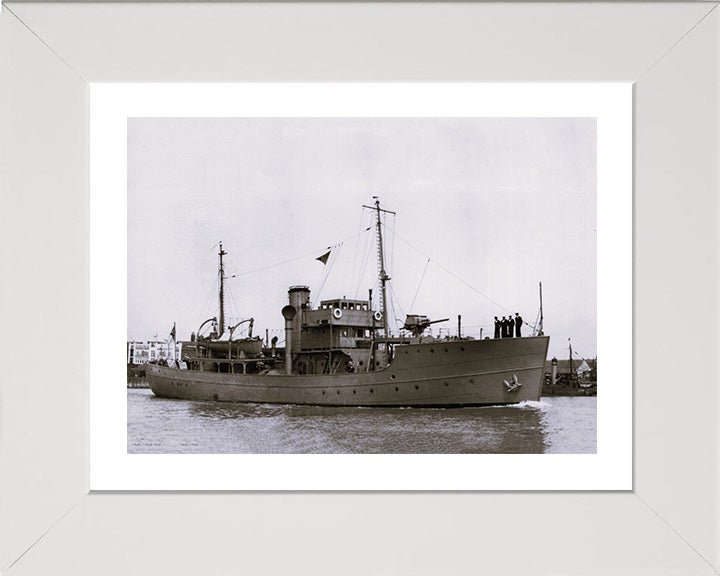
(341, 353)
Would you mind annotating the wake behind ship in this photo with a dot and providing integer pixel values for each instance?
(341, 353)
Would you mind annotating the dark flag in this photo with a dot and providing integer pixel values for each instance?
(172, 332)
(324, 257)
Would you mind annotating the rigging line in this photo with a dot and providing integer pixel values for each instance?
(412, 304)
(453, 274)
(213, 290)
(323, 278)
(305, 255)
(537, 321)
(396, 301)
(234, 302)
(369, 240)
(333, 259)
(392, 246)
(357, 247)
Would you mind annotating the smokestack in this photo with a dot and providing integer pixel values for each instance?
(554, 371)
(298, 298)
(274, 343)
(288, 313)
(459, 327)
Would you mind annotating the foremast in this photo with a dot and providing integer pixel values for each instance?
(382, 273)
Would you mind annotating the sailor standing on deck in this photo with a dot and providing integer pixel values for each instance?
(518, 324)
(504, 327)
(497, 328)
(511, 327)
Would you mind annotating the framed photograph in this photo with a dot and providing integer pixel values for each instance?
(498, 157)
(80, 167)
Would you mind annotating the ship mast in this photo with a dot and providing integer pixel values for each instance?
(221, 294)
(540, 324)
(382, 274)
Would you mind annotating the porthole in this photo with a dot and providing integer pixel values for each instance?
(446, 384)
(323, 392)
(418, 350)
(432, 351)
(446, 349)
(216, 397)
(353, 391)
(392, 376)
(360, 363)
(397, 389)
(462, 349)
(417, 387)
(338, 391)
(472, 381)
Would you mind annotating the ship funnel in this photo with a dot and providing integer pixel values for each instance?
(274, 343)
(298, 298)
(288, 313)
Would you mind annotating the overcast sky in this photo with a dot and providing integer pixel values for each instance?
(497, 205)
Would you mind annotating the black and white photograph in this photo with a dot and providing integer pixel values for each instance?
(363, 285)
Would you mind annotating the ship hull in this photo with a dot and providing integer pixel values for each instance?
(435, 374)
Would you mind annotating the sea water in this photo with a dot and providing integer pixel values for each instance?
(564, 425)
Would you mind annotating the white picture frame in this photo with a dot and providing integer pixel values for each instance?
(668, 524)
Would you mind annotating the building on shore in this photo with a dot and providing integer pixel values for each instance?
(565, 372)
(142, 352)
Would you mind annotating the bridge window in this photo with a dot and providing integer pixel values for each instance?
(344, 305)
(351, 306)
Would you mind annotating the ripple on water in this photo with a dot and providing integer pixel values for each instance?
(553, 425)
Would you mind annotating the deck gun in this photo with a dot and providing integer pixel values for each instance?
(417, 323)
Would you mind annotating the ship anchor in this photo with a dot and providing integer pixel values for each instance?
(512, 387)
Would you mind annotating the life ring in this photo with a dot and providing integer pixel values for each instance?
(378, 316)
(337, 313)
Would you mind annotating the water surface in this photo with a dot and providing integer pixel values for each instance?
(560, 424)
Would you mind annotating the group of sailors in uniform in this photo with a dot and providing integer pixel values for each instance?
(508, 326)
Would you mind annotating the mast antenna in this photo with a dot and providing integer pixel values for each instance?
(221, 295)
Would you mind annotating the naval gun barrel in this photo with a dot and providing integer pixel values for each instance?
(417, 324)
